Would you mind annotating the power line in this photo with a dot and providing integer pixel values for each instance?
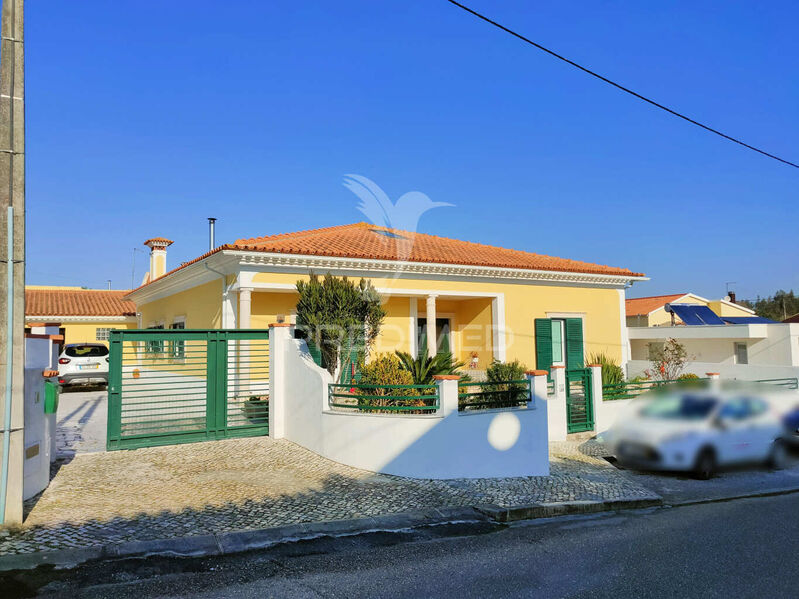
(619, 86)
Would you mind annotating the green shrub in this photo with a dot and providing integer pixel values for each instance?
(688, 376)
(612, 373)
(385, 369)
(495, 392)
(423, 367)
(505, 371)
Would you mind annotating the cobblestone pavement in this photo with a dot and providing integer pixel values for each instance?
(203, 488)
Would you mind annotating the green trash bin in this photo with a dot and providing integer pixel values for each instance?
(51, 392)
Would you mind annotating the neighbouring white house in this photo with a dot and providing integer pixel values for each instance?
(719, 336)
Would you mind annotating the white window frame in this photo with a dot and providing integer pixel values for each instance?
(735, 347)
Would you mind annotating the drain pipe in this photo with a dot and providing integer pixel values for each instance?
(9, 367)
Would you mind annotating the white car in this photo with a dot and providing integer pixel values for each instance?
(83, 364)
(698, 431)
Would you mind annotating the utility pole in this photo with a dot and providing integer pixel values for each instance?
(12, 258)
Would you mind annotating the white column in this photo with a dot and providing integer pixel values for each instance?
(243, 362)
(447, 385)
(279, 338)
(245, 308)
(432, 344)
(715, 379)
(413, 326)
(601, 422)
(556, 405)
(498, 327)
(538, 387)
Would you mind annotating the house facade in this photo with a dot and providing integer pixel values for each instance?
(82, 315)
(651, 311)
(480, 302)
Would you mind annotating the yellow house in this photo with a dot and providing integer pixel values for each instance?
(478, 301)
(651, 311)
(82, 315)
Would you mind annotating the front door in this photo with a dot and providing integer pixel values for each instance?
(443, 335)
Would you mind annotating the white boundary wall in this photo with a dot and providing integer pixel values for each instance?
(448, 444)
(743, 372)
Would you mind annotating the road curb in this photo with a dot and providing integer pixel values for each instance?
(228, 543)
(755, 495)
(566, 508)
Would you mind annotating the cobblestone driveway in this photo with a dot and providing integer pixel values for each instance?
(237, 484)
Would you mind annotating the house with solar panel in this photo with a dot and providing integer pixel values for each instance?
(719, 336)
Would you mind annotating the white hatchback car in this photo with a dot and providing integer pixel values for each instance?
(698, 431)
(83, 364)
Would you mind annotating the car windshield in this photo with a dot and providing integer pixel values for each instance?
(86, 351)
(681, 407)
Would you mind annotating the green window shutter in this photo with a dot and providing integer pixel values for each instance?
(574, 343)
(543, 343)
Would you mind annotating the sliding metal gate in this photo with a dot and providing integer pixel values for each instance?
(181, 386)
(579, 401)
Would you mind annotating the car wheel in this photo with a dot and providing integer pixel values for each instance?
(705, 465)
(778, 456)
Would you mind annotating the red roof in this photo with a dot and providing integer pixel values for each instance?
(641, 306)
(363, 240)
(77, 302)
(371, 242)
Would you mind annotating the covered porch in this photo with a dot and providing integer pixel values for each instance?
(469, 325)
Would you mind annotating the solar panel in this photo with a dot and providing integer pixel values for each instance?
(747, 320)
(696, 315)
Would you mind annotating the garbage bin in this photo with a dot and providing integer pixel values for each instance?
(51, 392)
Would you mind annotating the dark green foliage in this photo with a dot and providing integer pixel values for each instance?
(496, 392)
(612, 373)
(336, 315)
(423, 368)
(782, 305)
(505, 371)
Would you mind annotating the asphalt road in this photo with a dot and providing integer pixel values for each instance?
(743, 548)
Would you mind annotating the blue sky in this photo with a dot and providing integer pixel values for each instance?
(144, 118)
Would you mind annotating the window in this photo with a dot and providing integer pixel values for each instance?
(88, 350)
(179, 346)
(741, 354)
(443, 335)
(156, 346)
(558, 341)
(102, 334)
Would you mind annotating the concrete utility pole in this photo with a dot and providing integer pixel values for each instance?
(12, 259)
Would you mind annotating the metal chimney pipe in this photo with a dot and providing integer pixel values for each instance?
(211, 244)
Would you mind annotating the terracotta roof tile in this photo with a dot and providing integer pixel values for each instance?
(644, 305)
(84, 302)
(363, 240)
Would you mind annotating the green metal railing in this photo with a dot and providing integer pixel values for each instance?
(630, 389)
(180, 386)
(494, 395)
(788, 383)
(360, 397)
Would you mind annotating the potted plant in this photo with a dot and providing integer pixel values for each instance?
(256, 409)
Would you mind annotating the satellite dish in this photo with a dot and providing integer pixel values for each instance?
(726, 298)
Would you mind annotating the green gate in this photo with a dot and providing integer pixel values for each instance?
(579, 401)
(182, 386)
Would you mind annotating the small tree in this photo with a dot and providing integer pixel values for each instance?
(667, 361)
(338, 316)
